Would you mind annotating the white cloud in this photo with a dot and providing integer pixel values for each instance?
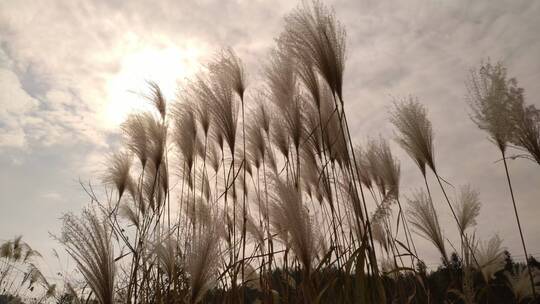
(15, 103)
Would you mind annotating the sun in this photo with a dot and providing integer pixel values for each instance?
(164, 66)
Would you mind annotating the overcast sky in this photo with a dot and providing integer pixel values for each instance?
(70, 70)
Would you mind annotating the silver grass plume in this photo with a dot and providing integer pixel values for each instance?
(229, 67)
(129, 212)
(134, 129)
(167, 253)
(490, 257)
(310, 171)
(424, 218)
(373, 165)
(332, 129)
(87, 239)
(313, 131)
(289, 214)
(379, 234)
(200, 212)
(280, 137)
(363, 167)
(354, 205)
(527, 129)
(468, 207)
(118, 171)
(157, 138)
(185, 135)
(281, 79)
(198, 102)
(414, 132)
(155, 186)
(17, 250)
(202, 262)
(157, 99)
(132, 189)
(389, 169)
(224, 111)
(491, 97)
(256, 231)
(520, 284)
(283, 92)
(256, 143)
(264, 117)
(317, 39)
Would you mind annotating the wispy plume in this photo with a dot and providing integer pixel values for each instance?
(468, 207)
(201, 263)
(492, 96)
(134, 129)
(520, 284)
(414, 132)
(118, 171)
(317, 39)
(87, 239)
(426, 222)
(157, 99)
(490, 257)
(287, 209)
(527, 129)
(228, 66)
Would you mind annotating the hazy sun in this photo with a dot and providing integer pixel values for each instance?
(165, 66)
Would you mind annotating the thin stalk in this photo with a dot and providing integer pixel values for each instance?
(519, 225)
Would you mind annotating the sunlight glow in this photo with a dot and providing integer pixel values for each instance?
(166, 66)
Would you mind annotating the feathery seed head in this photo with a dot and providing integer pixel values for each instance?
(491, 97)
(316, 38)
(468, 207)
(520, 282)
(118, 171)
(157, 99)
(229, 67)
(414, 132)
(490, 257)
(526, 121)
(87, 239)
(424, 218)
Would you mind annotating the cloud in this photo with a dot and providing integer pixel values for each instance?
(15, 103)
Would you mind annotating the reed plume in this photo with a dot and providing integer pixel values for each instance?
(527, 129)
(134, 129)
(157, 99)
(315, 38)
(519, 282)
(415, 134)
(201, 263)
(491, 97)
(157, 135)
(185, 135)
(290, 214)
(490, 257)
(87, 240)
(167, 253)
(118, 172)
(424, 218)
(229, 67)
(362, 163)
(468, 207)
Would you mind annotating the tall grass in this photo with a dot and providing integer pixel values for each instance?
(257, 194)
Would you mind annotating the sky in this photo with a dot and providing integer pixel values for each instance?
(70, 72)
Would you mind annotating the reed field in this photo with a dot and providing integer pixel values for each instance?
(244, 191)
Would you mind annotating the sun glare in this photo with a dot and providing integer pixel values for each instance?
(165, 66)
